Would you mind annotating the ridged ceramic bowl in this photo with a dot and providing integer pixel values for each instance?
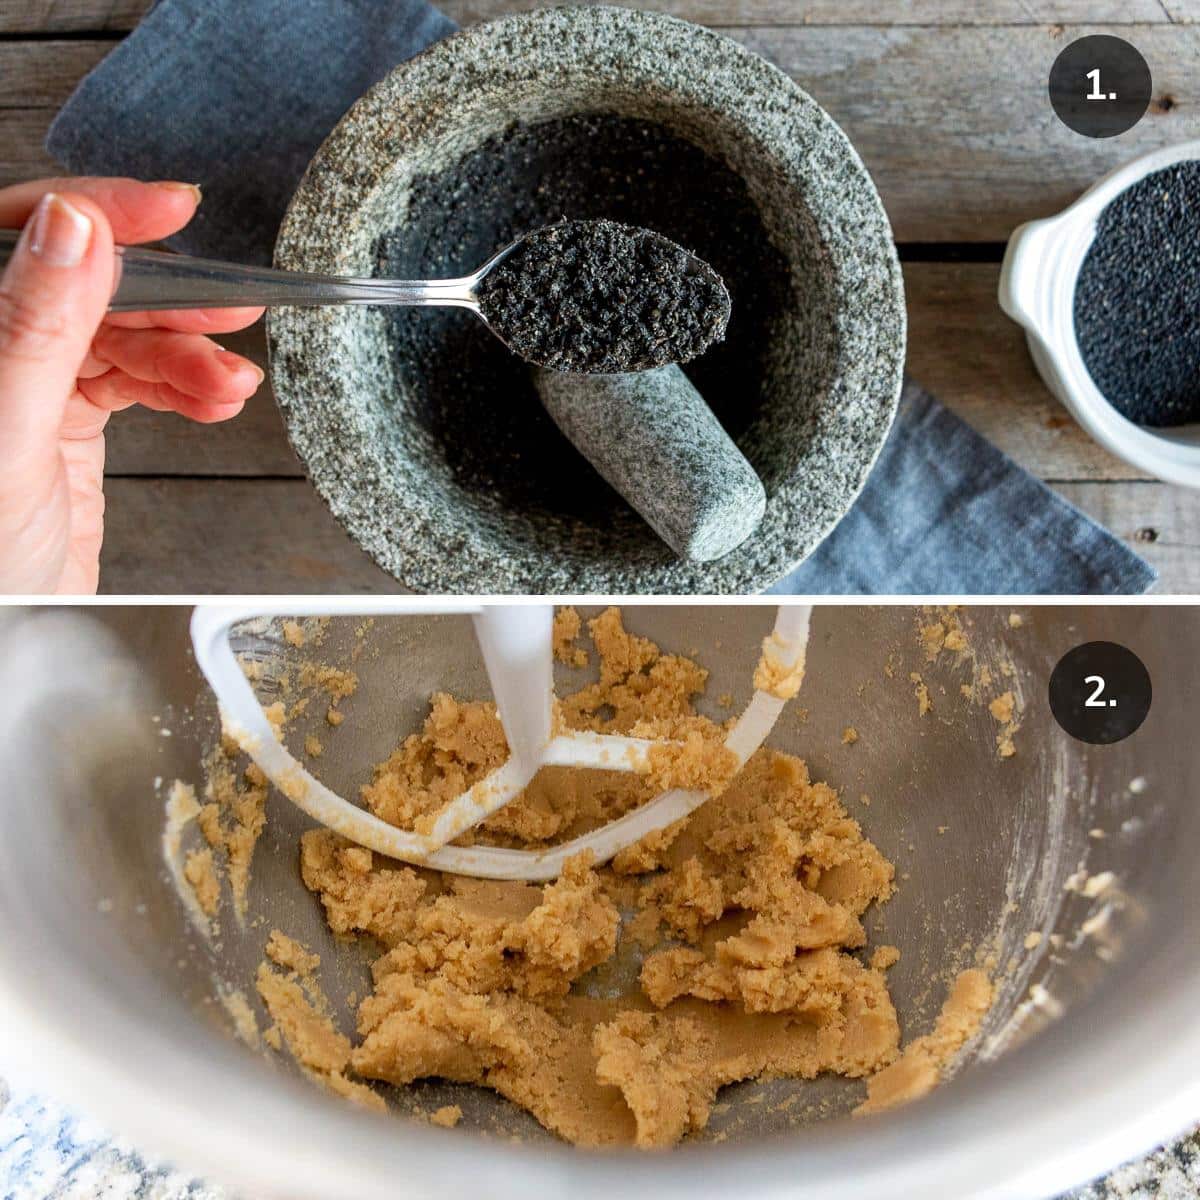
(1037, 289)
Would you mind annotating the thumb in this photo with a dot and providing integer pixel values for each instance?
(53, 296)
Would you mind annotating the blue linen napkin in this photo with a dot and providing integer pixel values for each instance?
(237, 97)
(944, 511)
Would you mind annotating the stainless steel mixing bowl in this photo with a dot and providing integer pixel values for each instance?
(107, 990)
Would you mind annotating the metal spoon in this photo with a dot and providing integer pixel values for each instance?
(151, 279)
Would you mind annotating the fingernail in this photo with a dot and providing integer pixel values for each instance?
(172, 186)
(235, 364)
(61, 234)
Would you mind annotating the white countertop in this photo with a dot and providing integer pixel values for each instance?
(49, 1153)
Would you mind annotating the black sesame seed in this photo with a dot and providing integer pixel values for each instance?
(1137, 299)
(598, 296)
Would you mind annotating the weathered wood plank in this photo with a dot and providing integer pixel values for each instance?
(44, 74)
(720, 13)
(37, 16)
(961, 347)
(70, 16)
(21, 155)
(1183, 12)
(268, 536)
(229, 536)
(141, 442)
(1161, 523)
(952, 121)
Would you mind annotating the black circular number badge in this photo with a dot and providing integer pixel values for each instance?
(1100, 692)
(1100, 86)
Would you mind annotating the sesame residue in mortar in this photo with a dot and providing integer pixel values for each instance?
(1137, 299)
(598, 296)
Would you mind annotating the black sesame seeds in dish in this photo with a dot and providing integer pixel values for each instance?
(1137, 299)
(601, 297)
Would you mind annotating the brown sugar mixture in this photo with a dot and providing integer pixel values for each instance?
(917, 1071)
(742, 923)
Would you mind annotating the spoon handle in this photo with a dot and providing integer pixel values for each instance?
(153, 279)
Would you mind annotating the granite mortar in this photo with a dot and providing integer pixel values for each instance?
(810, 411)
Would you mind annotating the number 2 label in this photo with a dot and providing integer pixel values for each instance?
(1094, 700)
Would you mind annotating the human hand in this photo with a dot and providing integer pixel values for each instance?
(66, 364)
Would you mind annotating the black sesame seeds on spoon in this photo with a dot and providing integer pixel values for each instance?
(600, 297)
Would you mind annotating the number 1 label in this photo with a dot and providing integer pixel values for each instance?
(1096, 93)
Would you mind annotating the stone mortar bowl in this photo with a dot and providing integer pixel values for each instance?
(383, 461)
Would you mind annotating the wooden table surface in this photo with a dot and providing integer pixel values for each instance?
(946, 102)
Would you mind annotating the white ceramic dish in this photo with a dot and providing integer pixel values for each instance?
(1037, 289)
